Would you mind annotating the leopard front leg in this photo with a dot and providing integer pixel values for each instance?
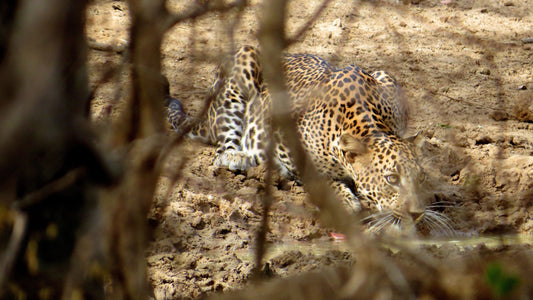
(284, 160)
(233, 116)
(228, 128)
(346, 195)
(343, 188)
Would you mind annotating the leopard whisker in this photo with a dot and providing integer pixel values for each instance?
(440, 221)
(441, 216)
(391, 222)
(397, 222)
(443, 201)
(377, 222)
(375, 217)
(383, 225)
(382, 222)
(368, 218)
(432, 225)
(441, 204)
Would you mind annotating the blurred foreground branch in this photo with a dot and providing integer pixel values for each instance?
(332, 213)
(273, 42)
(51, 167)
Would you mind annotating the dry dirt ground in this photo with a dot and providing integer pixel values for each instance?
(467, 69)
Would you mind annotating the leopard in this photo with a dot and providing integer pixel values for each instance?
(352, 124)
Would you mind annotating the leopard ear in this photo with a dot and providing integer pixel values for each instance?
(352, 147)
(416, 139)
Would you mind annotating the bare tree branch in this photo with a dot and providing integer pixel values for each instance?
(142, 126)
(272, 43)
(54, 187)
(200, 9)
(20, 223)
(106, 47)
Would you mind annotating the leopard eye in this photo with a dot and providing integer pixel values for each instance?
(392, 179)
(423, 177)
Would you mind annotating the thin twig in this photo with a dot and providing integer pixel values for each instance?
(199, 10)
(268, 199)
(6, 262)
(119, 49)
(461, 100)
(55, 186)
(177, 139)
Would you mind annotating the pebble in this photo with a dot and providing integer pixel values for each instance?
(236, 216)
(527, 40)
(498, 115)
(198, 223)
(484, 71)
(522, 87)
(508, 3)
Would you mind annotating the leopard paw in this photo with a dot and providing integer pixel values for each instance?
(234, 160)
(352, 203)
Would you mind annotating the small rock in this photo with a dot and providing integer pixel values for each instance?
(287, 258)
(164, 291)
(286, 185)
(484, 71)
(247, 191)
(240, 177)
(221, 232)
(522, 87)
(484, 11)
(267, 271)
(508, 3)
(527, 40)
(484, 140)
(403, 24)
(198, 223)
(257, 172)
(236, 216)
(498, 115)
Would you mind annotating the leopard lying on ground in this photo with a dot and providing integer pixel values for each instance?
(350, 123)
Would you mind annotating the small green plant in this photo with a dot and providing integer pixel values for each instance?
(444, 126)
(502, 283)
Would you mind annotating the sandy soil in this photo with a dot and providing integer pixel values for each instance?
(469, 78)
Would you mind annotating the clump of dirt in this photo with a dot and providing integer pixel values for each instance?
(522, 110)
(468, 78)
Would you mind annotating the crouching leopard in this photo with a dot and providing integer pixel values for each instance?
(351, 124)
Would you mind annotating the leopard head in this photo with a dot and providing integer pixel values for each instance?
(391, 184)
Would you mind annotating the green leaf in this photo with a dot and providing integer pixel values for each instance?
(501, 282)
